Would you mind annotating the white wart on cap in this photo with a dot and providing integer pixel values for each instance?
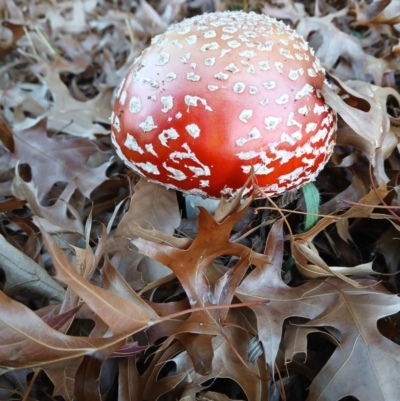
(221, 95)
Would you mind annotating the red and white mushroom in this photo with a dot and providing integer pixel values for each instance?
(219, 96)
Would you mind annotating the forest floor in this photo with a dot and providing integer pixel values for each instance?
(104, 277)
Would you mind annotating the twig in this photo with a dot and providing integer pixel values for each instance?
(296, 212)
(368, 205)
(130, 33)
(30, 40)
(204, 308)
(379, 195)
(282, 390)
(31, 383)
(45, 41)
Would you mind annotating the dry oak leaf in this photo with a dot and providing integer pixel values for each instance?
(54, 218)
(370, 129)
(368, 12)
(53, 160)
(370, 359)
(230, 361)
(65, 113)
(6, 133)
(27, 341)
(24, 274)
(9, 34)
(390, 13)
(295, 341)
(192, 261)
(337, 45)
(86, 262)
(121, 315)
(285, 9)
(360, 185)
(152, 206)
(148, 386)
(114, 283)
(265, 283)
(76, 118)
(364, 353)
(76, 11)
(62, 375)
(13, 11)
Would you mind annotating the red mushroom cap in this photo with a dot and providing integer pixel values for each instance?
(221, 95)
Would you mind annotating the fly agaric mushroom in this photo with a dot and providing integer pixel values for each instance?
(221, 96)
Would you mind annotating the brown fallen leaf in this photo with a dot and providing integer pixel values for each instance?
(147, 386)
(358, 188)
(64, 113)
(75, 21)
(11, 204)
(353, 312)
(9, 33)
(285, 9)
(191, 262)
(388, 246)
(364, 353)
(62, 375)
(122, 316)
(6, 134)
(370, 129)
(28, 342)
(59, 160)
(154, 22)
(368, 12)
(81, 119)
(152, 206)
(114, 283)
(54, 218)
(389, 14)
(213, 396)
(295, 341)
(14, 13)
(65, 66)
(86, 262)
(265, 283)
(230, 361)
(24, 274)
(338, 45)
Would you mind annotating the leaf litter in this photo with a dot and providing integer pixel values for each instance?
(108, 291)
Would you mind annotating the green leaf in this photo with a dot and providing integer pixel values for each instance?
(311, 197)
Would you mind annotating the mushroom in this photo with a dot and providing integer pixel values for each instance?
(219, 97)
